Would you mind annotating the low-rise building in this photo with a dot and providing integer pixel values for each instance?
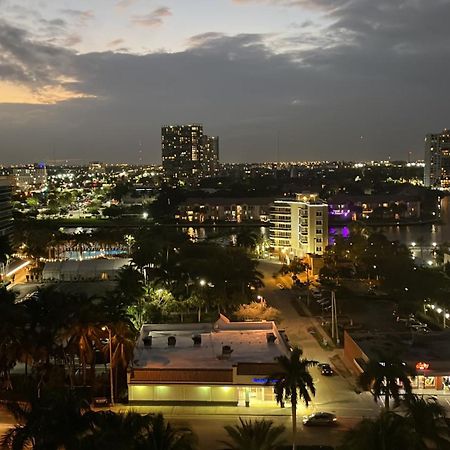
(427, 353)
(224, 209)
(384, 206)
(222, 363)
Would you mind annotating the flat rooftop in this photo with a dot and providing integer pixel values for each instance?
(432, 348)
(248, 341)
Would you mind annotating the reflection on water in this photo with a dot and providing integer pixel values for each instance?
(425, 234)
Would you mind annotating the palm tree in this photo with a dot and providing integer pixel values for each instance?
(247, 238)
(254, 435)
(11, 335)
(83, 330)
(163, 436)
(427, 417)
(53, 423)
(389, 431)
(118, 431)
(294, 383)
(5, 253)
(386, 377)
(123, 341)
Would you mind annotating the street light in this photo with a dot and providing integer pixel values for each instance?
(202, 283)
(111, 385)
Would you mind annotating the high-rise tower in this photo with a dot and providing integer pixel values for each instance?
(188, 154)
(437, 160)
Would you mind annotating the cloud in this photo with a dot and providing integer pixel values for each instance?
(374, 70)
(36, 67)
(311, 4)
(153, 19)
(124, 4)
(82, 17)
(115, 43)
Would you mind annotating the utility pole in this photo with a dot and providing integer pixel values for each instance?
(334, 318)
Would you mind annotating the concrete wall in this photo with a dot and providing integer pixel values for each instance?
(351, 352)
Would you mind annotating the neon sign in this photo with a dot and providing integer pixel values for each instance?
(422, 366)
(264, 380)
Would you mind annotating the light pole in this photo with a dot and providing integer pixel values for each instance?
(111, 384)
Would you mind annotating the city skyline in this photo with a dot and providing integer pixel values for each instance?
(301, 80)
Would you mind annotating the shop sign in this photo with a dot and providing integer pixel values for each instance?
(422, 366)
(264, 380)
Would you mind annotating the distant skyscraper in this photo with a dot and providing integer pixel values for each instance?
(188, 154)
(6, 218)
(209, 155)
(437, 160)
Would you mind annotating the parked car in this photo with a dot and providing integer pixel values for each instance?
(326, 370)
(320, 419)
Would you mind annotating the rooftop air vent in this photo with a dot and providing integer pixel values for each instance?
(148, 339)
(171, 341)
(226, 351)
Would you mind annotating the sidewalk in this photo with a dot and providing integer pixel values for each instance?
(180, 411)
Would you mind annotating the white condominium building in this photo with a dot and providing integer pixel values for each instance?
(299, 226)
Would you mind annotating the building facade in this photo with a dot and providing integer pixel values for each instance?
(385, 206)
(427, 353)
(222, 209)
(188, 154)
(30, 178)
(437, 160)
(226, 363)
(299, 226)
(6, 217)
(209, 155)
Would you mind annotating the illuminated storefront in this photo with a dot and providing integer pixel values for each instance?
(222, 363)
(428, 354)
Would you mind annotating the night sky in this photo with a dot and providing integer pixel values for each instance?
(328, 79)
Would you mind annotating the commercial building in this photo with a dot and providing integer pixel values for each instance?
(427, 353)
(30, 178)
(6, 218)
(437, 160)
(299, 226)
(188, 154)
(226, 363)
(224, 209)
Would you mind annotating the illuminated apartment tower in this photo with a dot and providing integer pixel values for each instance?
(180, 146)
(188, 154)
(299, 226)
(6, 218)
(437, 160)
(209, 155)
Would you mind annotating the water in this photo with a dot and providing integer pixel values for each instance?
(424, 235)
